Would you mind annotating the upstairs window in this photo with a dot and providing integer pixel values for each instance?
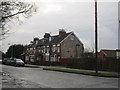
(58, 49)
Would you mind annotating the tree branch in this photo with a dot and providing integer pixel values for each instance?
(13, 15)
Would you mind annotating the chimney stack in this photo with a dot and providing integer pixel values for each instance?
(47, 35)
(36, 40)
(62, 32)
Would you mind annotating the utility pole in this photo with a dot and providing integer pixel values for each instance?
(96, 38)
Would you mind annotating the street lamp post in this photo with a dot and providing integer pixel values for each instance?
(96, 37)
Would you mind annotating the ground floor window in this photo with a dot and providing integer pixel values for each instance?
(53, 58)
(27, 58)
(38, 59)
(58, 58)
(47, 57)
(32, 58)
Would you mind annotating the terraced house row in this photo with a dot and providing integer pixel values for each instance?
(57, 49)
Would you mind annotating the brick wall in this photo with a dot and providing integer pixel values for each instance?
(69, 48)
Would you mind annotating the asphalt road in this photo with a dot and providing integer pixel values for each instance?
(53, 79)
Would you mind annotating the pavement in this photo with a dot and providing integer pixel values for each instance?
(38, 66)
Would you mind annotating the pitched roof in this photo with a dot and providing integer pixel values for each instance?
(109, 53)
(54, 40)
(58, 38)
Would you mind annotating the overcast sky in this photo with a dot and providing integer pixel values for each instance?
(73, 16)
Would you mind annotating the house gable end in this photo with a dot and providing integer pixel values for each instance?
(74, 36)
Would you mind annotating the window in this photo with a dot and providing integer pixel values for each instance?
(58, 49)
(44, 49)
(58, 44)
(34, 51)
(72, 37)
(48, 49)
(47, 57)
(27, 58)
(38, 59)
(31, 48)
(58, 58)
(54, 48)
(53, 58)
(32, 58)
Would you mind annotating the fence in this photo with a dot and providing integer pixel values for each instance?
(104, 64)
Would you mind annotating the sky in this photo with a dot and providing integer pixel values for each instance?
(72, 15)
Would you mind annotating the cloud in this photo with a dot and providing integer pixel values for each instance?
(88, 44)
(23, 31)
(105, 33)
(51, 8)
(72, 16)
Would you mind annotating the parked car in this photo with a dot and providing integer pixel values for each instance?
(6, 61)
(17, 62)
(12, 61)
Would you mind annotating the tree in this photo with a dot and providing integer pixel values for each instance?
(15, 51)
(13, 11)
(88, 55)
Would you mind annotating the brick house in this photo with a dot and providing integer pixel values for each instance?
(54, 49)
(104, 53)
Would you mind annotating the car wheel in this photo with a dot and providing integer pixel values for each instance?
(16, 65)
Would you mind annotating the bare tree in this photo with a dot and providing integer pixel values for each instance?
(13, 11)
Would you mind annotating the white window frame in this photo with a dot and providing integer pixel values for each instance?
(58, 49)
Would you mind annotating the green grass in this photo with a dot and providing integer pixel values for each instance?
(31, 66)
(101, 74)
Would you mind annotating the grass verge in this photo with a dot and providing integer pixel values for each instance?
(31, 66)
(101, 74)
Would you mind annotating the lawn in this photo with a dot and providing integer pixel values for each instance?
(31, 66)
(92, 73)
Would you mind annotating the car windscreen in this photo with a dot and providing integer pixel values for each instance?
(19, 60)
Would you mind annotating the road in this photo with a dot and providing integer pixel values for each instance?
(53, 79)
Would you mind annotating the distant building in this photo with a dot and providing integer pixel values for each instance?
(54, 48)
(104, 53)
(118, 53)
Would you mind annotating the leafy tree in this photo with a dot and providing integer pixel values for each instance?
(88, 54)
(15, 51)
(13, 11)
(1, 55)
